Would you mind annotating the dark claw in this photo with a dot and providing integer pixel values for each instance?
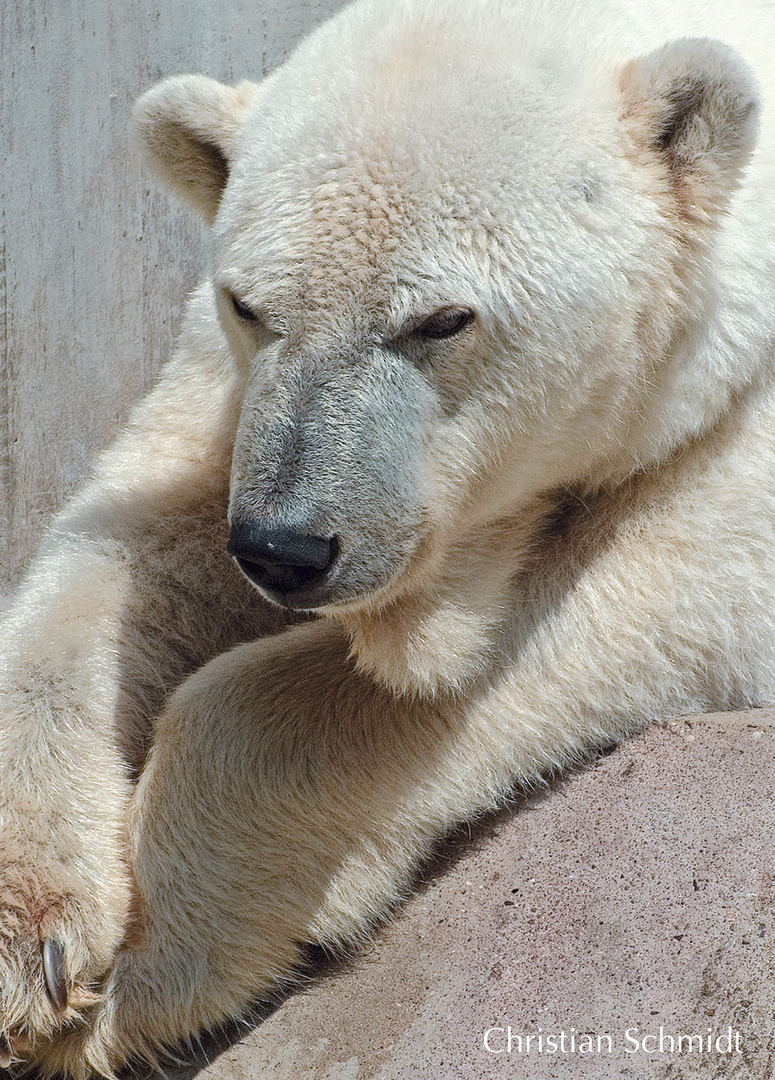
(54, 970)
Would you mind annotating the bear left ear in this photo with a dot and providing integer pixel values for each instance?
(187, 126)
(693, 108)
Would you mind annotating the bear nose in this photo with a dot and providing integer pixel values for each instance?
(280, 559)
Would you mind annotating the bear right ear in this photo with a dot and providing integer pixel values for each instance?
(186, 125)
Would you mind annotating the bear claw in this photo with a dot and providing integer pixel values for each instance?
(6, 1056)
(54, 969)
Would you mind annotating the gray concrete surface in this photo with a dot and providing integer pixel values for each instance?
(635, 896)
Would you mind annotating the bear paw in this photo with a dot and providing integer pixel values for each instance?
(56, 943)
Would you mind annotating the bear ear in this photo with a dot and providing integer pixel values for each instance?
(186, 126)
(693, 107)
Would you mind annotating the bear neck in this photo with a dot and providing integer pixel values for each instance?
(445, 627)
(475, 603)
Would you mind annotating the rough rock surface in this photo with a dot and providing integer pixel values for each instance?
(634, 896)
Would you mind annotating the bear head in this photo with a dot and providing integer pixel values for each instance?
(461, 265)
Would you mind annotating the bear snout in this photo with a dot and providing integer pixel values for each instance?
(282, 560)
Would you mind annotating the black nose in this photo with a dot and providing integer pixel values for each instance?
(280, 559)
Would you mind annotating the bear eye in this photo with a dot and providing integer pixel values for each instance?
(445, 323)
(242, 311)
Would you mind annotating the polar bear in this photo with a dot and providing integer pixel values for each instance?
(464, 466)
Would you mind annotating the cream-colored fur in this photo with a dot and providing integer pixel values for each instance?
(553, 523)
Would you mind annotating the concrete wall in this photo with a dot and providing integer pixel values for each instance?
(94, 263)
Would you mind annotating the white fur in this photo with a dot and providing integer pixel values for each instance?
(554, 526)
